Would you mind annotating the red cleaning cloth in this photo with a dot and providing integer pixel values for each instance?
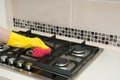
(39, 52)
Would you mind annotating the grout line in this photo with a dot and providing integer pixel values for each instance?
(69, 32)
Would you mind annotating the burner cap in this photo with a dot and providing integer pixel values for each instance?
(61, 62)
(29, 52)
(2, 46)
(10, 52)
(79, 53)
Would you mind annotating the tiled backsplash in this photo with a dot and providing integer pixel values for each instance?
(103, 38)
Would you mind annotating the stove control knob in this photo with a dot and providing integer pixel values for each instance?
(3, 58)
(20, 63)
(11, 61)
(29, 66)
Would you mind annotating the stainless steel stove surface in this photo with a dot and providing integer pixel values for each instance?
(65, 60)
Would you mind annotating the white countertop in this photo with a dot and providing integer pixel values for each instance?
(105, 67)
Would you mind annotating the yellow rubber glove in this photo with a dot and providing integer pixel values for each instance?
(17, 40)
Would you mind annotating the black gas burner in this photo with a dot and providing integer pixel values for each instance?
(29, 52)
(10, 52)
(64, 64)
(80, 52)
(61, 62)
(65, 60)
(3, 46)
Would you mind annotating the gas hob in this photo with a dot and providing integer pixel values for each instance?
(66, 60)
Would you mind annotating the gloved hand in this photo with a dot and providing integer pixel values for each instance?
(17, 40)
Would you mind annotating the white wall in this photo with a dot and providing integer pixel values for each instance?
(91, 15)
(9, 12)
(6, 18)
(95, 15)
(48, 11)
(3, 20)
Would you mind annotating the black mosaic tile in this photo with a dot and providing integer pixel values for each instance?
(108, 39)
(118, 45)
